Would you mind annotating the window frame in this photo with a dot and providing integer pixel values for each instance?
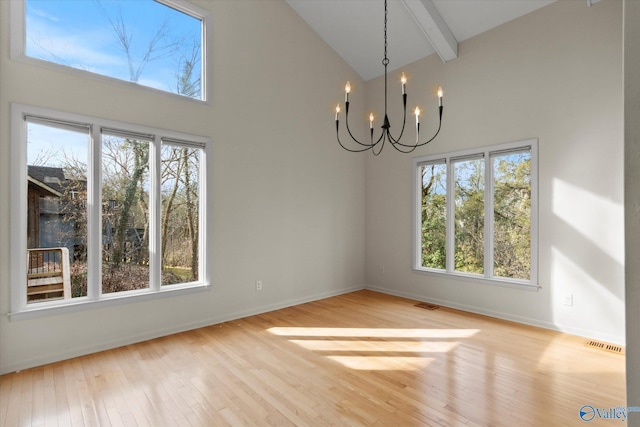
(487, 154)
(18, 217)
(18, 46)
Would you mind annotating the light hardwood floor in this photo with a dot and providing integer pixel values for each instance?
(358, 359)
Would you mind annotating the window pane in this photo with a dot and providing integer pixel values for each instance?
(56, 213)
(125, 214)
(512, 215)
(140, 41)
(433, 211)
(469, 215)
(180, 184)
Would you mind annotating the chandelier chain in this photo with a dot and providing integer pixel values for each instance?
(385, 61)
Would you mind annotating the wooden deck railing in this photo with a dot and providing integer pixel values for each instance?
(48, 274)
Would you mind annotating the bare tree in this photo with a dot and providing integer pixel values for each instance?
(188, 80)
(140, 150)
(160, 45)
(174, 175)
(193, 231)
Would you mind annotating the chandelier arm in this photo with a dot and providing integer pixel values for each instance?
(437, 132)
(382, 138)
(406, 149)
(349, 130)
(378, 141)
(404, 122)
(433, 137)
(360, 150)
(370, 146)
(402, 148)
(420, 144)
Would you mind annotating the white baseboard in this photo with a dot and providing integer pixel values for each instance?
(614, 339)
(82, 350)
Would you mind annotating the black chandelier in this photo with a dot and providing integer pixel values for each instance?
(377, 145)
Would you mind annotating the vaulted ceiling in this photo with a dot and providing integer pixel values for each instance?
(416, 28)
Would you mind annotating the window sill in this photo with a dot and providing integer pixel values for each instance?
(44, 309)
(20, 58)
(474, 278)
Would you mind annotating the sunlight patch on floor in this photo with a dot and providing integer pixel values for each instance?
(382, 363)
(376, 348)
(356, 345)
(372, 332)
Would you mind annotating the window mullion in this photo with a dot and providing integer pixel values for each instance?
(534, 212)
(94, 215)
(155, 250)
(488, 216)
(451, 216)
(18, 217)
(203, 271)
(417, 217)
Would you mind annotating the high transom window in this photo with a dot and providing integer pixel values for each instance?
(153, 43)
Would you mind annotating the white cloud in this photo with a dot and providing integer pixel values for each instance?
(49, 42)
(41, 13)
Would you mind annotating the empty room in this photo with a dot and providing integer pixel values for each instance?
(319, 212)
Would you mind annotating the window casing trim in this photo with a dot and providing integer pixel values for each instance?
(20, 113)
(487, 154)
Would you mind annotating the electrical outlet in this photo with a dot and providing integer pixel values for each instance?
(567, 300)
(382, 270)
(258, 285)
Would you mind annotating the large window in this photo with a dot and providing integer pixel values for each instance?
(153, 43)
(475, 213)
(103, 210)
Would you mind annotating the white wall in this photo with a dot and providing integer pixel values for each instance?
(556, 75)
(287, 202)
(632, 200)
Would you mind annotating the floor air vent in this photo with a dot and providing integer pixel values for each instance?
(607, 347)
(428, 306)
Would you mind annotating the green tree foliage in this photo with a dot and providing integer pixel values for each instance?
(127, 196)
(434, 216)
(469, 216)
(180, 213)
(512, 215)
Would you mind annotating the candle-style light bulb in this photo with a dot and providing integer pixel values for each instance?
(440, 93)
(403, 79)
(347, 90)
(337, 110)
(417, 113)
(371, 121)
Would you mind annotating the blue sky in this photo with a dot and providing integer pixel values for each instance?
(55, 146)
(78, 33)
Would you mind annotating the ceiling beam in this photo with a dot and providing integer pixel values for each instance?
(434, 28)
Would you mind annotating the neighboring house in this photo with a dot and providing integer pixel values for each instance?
(50, 215)
(134, 237)
(54, 210)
